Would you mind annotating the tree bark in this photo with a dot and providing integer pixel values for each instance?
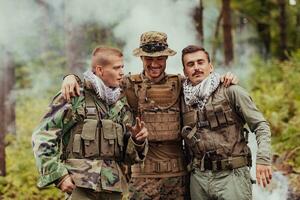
(10, 97)
(228, 44)
(282, 30)
(7, 104)
(216, 36)
(2, 125)
(198, 18)
(263, 28)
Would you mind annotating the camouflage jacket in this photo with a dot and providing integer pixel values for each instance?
(53, 134)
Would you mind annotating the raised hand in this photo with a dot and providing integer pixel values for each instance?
(229, 79)
(138, 132)
(70, 87)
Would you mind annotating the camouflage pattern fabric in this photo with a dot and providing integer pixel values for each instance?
(53, 134)
(87, 194)
(158, 188)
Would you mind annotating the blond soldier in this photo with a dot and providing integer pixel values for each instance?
(81, 144)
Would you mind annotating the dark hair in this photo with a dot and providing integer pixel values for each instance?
(100, 55)
(192, 49)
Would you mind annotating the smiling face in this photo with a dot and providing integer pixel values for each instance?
(154, 66)
(196, 66)
(111, 73)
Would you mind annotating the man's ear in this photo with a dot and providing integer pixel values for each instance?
(211, 67)
(184, 71)
(99, 70)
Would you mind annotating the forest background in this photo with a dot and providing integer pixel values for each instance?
(43, 40)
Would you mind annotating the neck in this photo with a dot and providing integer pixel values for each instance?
(155, 80)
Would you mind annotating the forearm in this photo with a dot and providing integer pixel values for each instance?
(263, 138)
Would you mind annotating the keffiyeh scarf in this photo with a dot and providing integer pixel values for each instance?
(110, 95)
(200, 93)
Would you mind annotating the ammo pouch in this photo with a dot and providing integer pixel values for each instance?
(99, 140)
(111, 140)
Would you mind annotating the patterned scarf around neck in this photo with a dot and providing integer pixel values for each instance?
(110, 95)
(200, 93)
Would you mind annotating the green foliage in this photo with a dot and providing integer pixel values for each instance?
(21, 179)
(275, 88)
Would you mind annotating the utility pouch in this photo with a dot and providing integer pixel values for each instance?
(189, 135)
(190, 118)
(110, 139)
(90, 138)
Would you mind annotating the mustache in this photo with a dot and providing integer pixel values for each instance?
(196, 72)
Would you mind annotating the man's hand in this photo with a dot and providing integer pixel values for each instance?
(70, 87)
(229, 79)
(67, 185)
(138, 132)
(263, 174)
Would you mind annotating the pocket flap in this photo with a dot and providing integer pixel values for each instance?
(120, 134)
(109, 129)
(89, 129)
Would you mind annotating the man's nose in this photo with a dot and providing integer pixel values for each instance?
(154, 64)
(121, 72)
(197, 67)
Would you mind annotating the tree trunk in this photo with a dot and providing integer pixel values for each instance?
(297, 38)
(216, 36)
(263, 28)
(10, 97)
(282, 30)
(228, 44)
(7, 104)
(198, 18)
(2, 125)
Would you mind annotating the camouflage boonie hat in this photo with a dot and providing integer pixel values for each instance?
(153, 44)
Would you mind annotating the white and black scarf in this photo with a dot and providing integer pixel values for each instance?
(110, 95)
(200, 93)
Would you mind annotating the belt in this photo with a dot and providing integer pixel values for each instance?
(172, 165)
(219, 165)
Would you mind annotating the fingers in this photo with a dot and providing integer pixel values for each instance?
(138, 123)
(67, 186)
(77, 89)
(235, 80)
(70, 87)
(129, 127)
(143, 124)
(142, 135)
(263, 175)
(228, 79)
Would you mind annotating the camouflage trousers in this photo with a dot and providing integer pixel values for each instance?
(226, 185)
(88, 194)
(158, 188)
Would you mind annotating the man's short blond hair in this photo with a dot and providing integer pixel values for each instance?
(101, 55)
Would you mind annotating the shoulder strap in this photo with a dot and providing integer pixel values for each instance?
(132, 84)
(91, 111)
(116, 109)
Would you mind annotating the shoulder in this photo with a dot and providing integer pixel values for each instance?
(237, 95)
(235, 90)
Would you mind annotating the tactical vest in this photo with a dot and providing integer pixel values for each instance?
(216, 132)
(157, 104)
(96, 135)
